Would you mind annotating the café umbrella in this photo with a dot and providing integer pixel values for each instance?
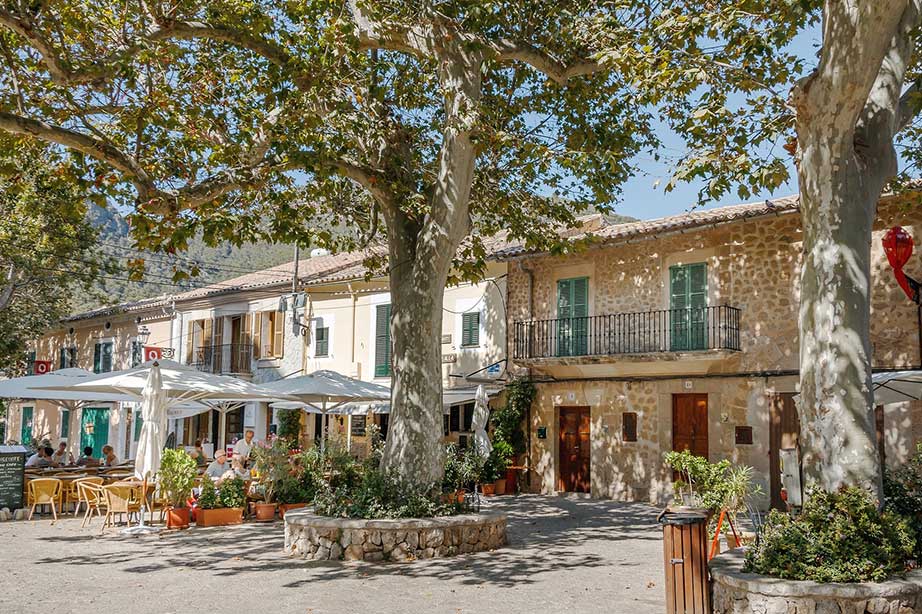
(152, 438)
(479, 423)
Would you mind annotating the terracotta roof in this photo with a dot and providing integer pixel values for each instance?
(617, 233)
(127, 307)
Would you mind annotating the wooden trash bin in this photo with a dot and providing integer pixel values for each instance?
(685, 560)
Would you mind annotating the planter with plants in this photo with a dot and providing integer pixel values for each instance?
(710, 487)
(176, 479)
(462, 471)
(272, 464)
(220, 505)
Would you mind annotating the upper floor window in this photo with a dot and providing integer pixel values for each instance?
(688, 300)
(30, 363)
(102, 357)
(383, 341)
(269, 334)
(67, 358)
(572, 312)
(321, 341)
(198, 336)
(470, 329)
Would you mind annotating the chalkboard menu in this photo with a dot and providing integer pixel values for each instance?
(12, 476)
(358, 426)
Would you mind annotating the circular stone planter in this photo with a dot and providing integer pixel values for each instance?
(310, 536)
(734, 591)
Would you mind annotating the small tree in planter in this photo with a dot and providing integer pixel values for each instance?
(271, 461)
(177, 477)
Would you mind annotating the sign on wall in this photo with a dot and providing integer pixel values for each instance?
(41, 367)
(12, 476)
(152, 352)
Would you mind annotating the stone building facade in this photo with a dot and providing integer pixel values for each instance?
(640, 373)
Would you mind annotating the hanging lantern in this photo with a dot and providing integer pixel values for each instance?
(898, 245)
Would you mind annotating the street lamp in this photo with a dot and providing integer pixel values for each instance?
(143, 334)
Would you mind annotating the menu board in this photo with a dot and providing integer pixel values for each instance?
(358, 426)
(12, 476)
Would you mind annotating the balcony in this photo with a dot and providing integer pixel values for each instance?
(232, 358)
(643, 332)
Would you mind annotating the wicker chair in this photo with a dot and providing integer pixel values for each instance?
(79, 497)
(120, 500)
(45, 491)
(92, 495)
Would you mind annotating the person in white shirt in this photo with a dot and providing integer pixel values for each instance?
(60, 455)
(242, 448)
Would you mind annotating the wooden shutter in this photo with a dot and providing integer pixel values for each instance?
(454, 420)
(251, 331)
(107, 357)
(97, 358)
(678, 287)
(256, 332)
(62, 359)
(321, 341)
(698, 285)
(190, 339)
(564, 297)
(383, 341)
(470, 329)
(278, 334)
(65, 423)
(629, 426)
(207, 328)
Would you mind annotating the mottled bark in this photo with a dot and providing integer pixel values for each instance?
(848, 112)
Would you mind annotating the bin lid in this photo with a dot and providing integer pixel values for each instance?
(683, 517)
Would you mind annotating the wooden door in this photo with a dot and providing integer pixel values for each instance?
(690, 423)
(783, 433)
(574, 457)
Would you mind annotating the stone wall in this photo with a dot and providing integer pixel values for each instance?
(735, 592)
(310, 536)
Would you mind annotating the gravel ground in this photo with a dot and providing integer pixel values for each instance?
(565, 555)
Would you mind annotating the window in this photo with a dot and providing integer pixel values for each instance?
(460, 418)
(137, 353)
(65, 423)
(470, 329)
(67, 358)
(688, 297)
(138, 423)
(629, 426)
(383, 341)
(321, 341)
(25, 428)
(198, 342)
(270, 333)
(102, 357)
(572, 312)
(743, 435)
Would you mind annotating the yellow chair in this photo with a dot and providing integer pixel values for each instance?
(45, 491)
(120, 500)
(92, 495)
(76, 495)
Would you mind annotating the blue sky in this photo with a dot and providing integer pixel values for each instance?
(643, 195)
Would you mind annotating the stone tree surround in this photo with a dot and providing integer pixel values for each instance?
(734, 592)
(310, 536)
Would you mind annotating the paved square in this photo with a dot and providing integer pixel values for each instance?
(565, 555)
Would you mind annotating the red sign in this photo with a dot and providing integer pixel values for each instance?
(41, 367)
(898, 246)
(152, 352)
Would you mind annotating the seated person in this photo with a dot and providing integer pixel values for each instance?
(218, 466)
(109, 459)
(41, 458)
(60, 455)
(198, 454)
(86, 459)
(239, 470)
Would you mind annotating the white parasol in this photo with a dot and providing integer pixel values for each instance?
(479, 423)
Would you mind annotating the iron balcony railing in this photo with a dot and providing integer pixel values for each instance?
(228, 358)
(642, 332)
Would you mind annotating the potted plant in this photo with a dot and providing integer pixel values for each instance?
(501, 457)
(177, 477)
(220, 505)
(271, 461)
(488, 476)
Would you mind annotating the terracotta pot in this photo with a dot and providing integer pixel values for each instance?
(499, 486)
(219, 517)
(284, 507)
(264, 512)
(177, 518)
(511, 480)
(488, 490)
(459, 496)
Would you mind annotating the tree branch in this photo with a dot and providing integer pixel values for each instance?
(560, 72)
(910, 106)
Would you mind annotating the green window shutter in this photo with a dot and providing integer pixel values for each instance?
(65, 423)
(62, 358)
(25, 428)
(688, 298)
(97, 358)
(383, 341)
(572, 309)
(106, 363)
(30, 363)
(470, 329)
(136, 353)
(138, 422)
(564, 298)
(322, 341)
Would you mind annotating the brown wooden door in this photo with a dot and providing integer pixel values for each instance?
(574, 450)
(690, 423)
(783, 433)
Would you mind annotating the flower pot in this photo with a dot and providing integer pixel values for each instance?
(264, 512)
(285, 507)
(177, 518)
(219, 517)
(499, 486)
(511, 480)
(459, 496)
(488, 490)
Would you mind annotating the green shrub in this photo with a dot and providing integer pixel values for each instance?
(712, 486)
(383, 494)
(271, 461)
(903, 495)
(176, 476)
(289, 427)
(462, 467)
(231, 493)
(208, 499)
(839, 537)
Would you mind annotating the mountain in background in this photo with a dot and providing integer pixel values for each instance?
(216, 263)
